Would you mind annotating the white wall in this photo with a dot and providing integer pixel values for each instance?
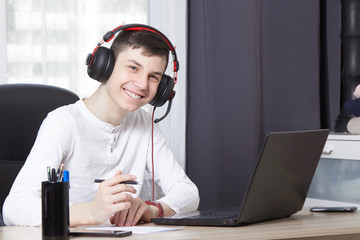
(169, 16)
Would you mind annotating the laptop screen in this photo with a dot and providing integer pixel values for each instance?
(282, 177)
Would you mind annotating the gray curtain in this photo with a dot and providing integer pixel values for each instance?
(253, 67)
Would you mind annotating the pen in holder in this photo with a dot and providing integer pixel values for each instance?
(55, 210)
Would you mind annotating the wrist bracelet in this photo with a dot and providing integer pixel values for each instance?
(158, 205)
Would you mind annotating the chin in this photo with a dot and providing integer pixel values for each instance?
(133, 108)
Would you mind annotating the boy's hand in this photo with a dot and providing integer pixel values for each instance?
(111, 198)
(139, 210)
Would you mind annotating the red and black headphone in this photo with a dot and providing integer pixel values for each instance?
(102, 60)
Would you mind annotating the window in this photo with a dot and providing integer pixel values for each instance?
(47, 41)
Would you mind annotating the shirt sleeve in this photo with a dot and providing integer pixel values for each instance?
(181, 194)
(23, 204)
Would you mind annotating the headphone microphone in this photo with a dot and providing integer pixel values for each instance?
(168, 108)
(102, 60)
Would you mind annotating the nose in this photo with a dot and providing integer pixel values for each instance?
(141, 81)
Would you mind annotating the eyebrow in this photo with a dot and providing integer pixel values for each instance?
(139, 65)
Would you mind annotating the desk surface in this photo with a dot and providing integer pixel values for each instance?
(304, 225)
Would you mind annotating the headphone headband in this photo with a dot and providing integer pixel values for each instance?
(140, 27)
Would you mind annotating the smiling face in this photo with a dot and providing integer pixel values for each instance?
(134, 80)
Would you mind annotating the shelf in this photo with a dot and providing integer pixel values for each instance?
(342, 146)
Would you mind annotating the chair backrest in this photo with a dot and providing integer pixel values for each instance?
(23, 107)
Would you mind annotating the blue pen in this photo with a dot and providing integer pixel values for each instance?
(65, 176)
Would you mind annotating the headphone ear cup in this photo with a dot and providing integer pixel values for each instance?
(163, 92)
(102, 64)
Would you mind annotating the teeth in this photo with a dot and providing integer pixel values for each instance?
(131, 94)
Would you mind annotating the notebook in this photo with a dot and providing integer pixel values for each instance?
(278, 186)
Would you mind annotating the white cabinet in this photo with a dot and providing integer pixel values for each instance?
(337, 177)
(342, 146)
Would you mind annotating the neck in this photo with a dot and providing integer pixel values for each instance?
(104, 108)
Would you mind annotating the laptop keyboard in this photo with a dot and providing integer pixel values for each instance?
(224, 213)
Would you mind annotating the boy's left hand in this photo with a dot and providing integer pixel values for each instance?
(139, 210)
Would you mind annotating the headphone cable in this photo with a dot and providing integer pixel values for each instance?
(152, 155)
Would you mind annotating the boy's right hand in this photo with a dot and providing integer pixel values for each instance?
(111, 197)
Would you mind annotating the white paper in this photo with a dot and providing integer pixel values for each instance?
(137, 229)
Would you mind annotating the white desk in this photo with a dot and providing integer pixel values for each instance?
(304, 224)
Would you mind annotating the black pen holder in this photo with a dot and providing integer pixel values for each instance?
(55, 210)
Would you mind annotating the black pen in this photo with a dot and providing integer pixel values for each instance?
(53, 175)
(125, 182)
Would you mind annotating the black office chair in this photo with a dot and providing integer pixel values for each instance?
(23, 107)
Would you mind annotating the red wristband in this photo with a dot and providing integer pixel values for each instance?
(158, 205)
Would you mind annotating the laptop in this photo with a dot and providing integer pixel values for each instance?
(277, 188)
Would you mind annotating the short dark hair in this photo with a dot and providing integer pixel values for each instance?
(153, 43)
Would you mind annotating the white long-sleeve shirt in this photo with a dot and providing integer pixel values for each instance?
(90, 149)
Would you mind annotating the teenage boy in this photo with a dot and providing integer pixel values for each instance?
(108, 136)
